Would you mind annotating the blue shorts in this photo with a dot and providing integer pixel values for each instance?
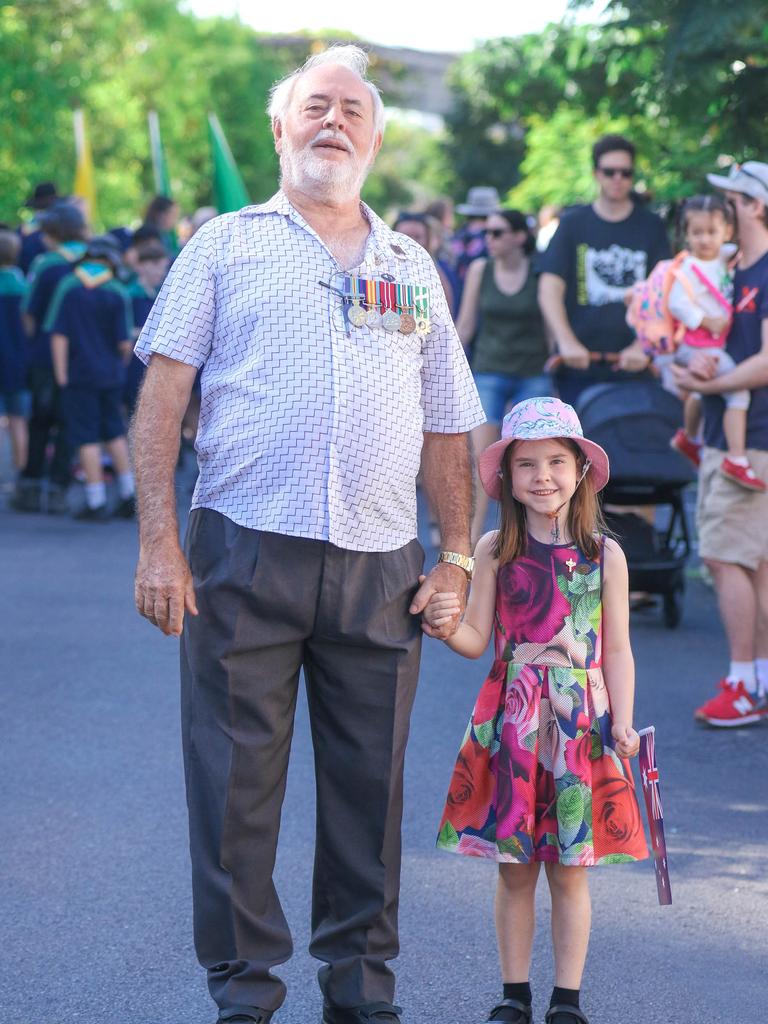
(499, 390)
(93, 415)
(16, 403)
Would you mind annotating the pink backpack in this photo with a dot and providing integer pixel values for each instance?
(648, 313)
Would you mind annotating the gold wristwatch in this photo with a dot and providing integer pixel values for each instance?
(464, 562)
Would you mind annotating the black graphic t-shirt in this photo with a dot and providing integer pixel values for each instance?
(598, 260)
(745, 339)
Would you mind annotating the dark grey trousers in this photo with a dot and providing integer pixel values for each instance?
(270, 605)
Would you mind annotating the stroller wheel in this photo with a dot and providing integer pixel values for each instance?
(673, 608)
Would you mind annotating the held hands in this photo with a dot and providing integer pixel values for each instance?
(163, 587)
(444, 582)
(627, 740)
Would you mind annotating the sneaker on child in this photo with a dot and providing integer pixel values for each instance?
(742, 473)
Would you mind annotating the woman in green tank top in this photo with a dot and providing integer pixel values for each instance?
(500, 318)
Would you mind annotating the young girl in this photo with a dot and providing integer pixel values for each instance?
(540, 776)
(701, 300)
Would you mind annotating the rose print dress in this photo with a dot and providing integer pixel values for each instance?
(537, 777)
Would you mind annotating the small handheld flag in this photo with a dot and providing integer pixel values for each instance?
(649, 774)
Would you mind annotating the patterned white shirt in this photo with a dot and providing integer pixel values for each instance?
(308, 427)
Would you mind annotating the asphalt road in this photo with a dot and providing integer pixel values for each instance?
(94, 874)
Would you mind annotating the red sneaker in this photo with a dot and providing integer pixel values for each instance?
(734, 705)
(690, 449)
(745, 476)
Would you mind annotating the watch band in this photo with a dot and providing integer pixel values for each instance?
(465, 562)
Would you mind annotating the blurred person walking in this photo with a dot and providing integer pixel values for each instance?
(91, 329)
(501, 320)
(64, 231)
(15, 399)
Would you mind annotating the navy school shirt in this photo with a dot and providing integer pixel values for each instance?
(745, 339)
(32, 245)
(142, 301)
(598, 260)
(94, 313)
(45, 274)
(13, 339)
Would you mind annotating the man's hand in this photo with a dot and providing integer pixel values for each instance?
(443, 578)
(574, 354)
(694, 377)
(632, 359)
(163, 588)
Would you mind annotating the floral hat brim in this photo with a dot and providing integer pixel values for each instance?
(538, 419)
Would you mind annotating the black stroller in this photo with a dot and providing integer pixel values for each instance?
(634, 421)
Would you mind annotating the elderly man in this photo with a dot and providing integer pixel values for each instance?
(328, 360)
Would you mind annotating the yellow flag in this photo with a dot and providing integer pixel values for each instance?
(85, 184)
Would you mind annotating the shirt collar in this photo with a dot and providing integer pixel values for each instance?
(383, 244)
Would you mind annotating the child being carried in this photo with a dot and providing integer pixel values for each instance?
(700, 298)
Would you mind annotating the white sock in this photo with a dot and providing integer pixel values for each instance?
(95, 494)
(125, 485)
(740, 460)
(761, 671)
(744, 671)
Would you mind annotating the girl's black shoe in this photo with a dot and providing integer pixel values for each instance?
(562, 1013)
(510, 1011)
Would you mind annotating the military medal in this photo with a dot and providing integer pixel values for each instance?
(407, 322)
(390, 321)
(373, 316)
(356, 314)
(421, 306)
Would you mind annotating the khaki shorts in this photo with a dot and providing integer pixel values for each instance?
(732, 521)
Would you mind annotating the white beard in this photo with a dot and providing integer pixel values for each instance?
(303, 169)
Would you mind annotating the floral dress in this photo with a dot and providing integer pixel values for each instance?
(537, 777)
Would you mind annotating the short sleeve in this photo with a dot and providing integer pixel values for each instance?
(683, 307)
(59, 318)
(449, 396)
(558, 257)
(181, 322)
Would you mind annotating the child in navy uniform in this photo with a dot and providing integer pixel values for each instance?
(91, 327)
(63, 230)
(152, 262)
(14, 397)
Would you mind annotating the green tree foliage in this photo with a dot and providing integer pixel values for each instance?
(118, 59)
(687, 81)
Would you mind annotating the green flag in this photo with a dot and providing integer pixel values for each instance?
(159, 163)
(228, 189)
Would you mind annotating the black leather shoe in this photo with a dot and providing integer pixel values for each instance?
(244, 1015)
(576, 1015)
(371, 1013)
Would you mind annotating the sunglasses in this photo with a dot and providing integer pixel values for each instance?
(611, 172)
(496, 232)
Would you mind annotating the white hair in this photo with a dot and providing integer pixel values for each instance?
(348, 56)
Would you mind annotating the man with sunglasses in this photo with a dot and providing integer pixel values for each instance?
(598, 252)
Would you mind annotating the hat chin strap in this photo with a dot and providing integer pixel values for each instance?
(555, 515)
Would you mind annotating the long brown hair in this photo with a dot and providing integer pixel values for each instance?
(585, 517)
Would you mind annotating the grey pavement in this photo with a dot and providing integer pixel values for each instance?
(94, 874)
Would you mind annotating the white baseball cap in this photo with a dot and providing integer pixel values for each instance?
(751, 179)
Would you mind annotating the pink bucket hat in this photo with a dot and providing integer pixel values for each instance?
(536, 419)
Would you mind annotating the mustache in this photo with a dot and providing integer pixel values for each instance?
(329, 135)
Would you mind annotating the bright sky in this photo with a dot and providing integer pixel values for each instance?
(409, 23)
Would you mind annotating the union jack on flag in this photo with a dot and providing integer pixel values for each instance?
(649, 773)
